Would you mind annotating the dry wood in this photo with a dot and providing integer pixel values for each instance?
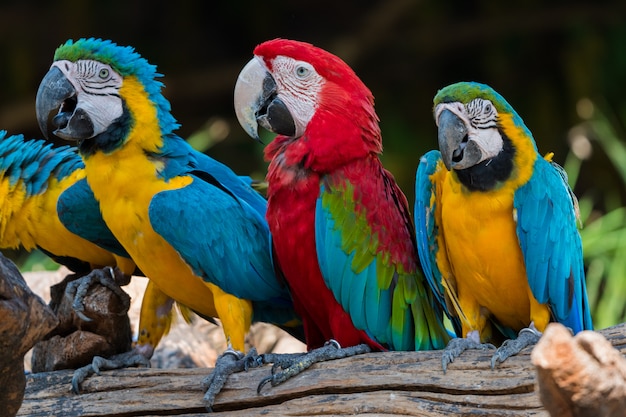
(580, 376)
(74, 342)
(391, 384)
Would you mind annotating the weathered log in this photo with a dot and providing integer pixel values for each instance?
(388, 384)
(579, 376)
(25, 319)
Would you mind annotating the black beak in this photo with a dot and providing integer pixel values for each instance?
(57, 95)
(453, 140)
(257, 102)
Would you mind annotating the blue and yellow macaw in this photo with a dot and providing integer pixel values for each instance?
(47, 204)
(193, 227)
(496, 226)
(34, 176)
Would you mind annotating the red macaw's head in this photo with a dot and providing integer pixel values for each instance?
(297, 90)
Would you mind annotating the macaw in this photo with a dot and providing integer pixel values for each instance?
(47, 204)
(192, 226)
(341, 229)
(33, 177)
(496, 226)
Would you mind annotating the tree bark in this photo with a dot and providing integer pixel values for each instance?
(580, 376)
(385, 384)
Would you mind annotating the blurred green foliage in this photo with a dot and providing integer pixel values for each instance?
(604, 230)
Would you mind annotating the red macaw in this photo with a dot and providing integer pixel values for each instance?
(341, 229)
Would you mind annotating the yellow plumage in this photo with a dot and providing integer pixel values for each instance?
(486, 229)
(114, 179)
(33, 222)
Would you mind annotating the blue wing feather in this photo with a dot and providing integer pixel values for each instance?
(425, 228)
(426, 231)
(231, 236)
(219, 233)
(380, 300)
(364, 281)
(79, 212)
(358, 292)
(551, 244)
(357, 301)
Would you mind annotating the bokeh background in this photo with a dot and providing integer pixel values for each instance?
(561, 64)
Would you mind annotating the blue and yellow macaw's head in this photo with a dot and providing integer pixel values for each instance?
(96, 91)
(480, 135)
(32, 163)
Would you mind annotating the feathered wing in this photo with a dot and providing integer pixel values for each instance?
(429, 237)
(230, 243)
(551, 244)
(426, 228)
(367, 276)
(79, 212)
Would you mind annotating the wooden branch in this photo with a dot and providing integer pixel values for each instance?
(579, 376)
(388, 384)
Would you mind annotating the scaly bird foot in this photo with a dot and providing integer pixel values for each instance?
(526, 337)
(280, 360)
(296, 363)
(109, 277)
(228, 363)
(458, 345)
(124, 360)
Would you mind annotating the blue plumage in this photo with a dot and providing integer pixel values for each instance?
(227, 232)
(552, 249)
(34, 162)
(79, 212)
(489, 187)
(426, 229)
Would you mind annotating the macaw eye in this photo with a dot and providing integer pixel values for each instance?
(104, 73)
(487, 109)
(302, 71)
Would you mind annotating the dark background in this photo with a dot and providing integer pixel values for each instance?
(551, 60)
(542, 58)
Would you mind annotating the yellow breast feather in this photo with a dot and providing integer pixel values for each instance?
(482, 264)
(124, 182)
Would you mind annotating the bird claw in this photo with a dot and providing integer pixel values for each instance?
(264, 382)
(527, 336)
(294, 364)
(228, 363)
(107, 277)
(458, 345)
(99, 364)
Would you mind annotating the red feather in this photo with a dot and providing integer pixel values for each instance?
(341, 142)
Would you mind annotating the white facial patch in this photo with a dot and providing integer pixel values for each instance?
(480, 118)
(298, 86)
(97, 88)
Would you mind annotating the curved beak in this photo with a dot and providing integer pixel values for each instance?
(56, 94)
(457, 150)
(257, 103)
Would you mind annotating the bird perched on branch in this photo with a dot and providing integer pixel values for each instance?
(47, 204)
(192, 226)
(341, 230)
(497, 226)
